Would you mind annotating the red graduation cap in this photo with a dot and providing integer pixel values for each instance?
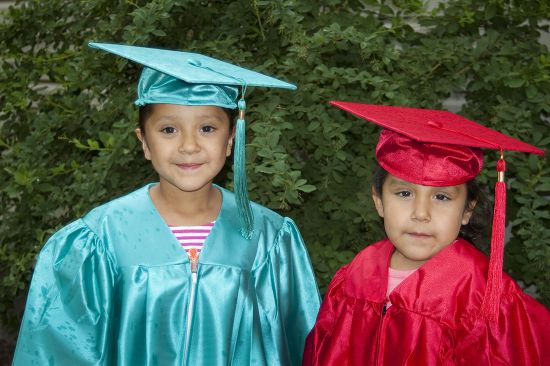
(440, 148)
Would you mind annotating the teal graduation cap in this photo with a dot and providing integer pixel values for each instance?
(176, 77)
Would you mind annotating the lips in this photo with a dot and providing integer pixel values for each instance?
(420, 235)
(189, 166)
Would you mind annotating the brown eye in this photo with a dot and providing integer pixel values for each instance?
(168, 130)
(207, 129)
(442, 197)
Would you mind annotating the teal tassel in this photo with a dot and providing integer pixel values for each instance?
(239, 181)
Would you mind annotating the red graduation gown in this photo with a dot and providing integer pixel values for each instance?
(434, 319)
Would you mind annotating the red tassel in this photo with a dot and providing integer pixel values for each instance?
(491, 300)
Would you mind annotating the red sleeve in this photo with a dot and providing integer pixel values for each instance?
(521, 336)
(325, 319)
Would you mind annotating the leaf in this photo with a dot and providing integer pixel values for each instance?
(515, 82)
(307, 188)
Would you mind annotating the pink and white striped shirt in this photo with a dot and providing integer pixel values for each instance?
(192, 237)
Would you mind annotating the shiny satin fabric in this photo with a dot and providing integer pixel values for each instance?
(114, 286)
(427, 163)
(155, 87)
(434, 318)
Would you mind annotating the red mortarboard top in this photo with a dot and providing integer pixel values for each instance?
(432, 147)
(440, 148)
(442, 127)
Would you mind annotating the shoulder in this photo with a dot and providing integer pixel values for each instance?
(74, 232)
(273, 234)
(366, 275)
(265, 216)
(363, 280)
(463, 269)
(521, 320)
(459, 262)
(265, 219)
(467, 254)
(471, 267)
(69, 248)
(466, 264)
(117, 208)
(371, 261)
(86, 234)
(382, 248)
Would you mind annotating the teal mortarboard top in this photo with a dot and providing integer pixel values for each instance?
(193, 68)
(186, 78)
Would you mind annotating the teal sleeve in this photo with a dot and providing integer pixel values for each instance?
(69, 306)
(288, 297)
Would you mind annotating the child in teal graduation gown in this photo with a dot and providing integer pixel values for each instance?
(116, 286)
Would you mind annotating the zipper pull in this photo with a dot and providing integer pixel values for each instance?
(193, 254)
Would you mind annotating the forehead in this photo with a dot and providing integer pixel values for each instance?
(183, 112)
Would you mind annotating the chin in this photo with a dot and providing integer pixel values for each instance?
(189, 187)
(194, 188)
(419, 256)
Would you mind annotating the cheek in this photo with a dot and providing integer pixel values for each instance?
(394, 210)
(160, 151)
(454, 220)
(221, 147)
(393, 219)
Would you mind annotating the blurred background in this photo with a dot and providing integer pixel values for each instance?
(67, 118)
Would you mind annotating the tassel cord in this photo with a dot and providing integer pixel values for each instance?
(240, 184)
(491, 300)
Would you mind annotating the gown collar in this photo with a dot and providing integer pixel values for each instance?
(222, 243)
(433, 286)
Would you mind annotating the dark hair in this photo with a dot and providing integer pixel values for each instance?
(146, 111)
(475, 195)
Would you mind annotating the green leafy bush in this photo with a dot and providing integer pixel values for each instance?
(67, 148)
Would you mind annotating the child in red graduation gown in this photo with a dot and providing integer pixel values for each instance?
(424, 295)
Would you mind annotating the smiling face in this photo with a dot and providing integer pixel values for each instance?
(420, 220)
(187, 145)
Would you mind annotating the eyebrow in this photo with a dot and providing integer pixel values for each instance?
(396, 181)
(209, 115)
(454, 189)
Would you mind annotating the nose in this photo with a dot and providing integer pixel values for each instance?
(188, 144)
(421, 209)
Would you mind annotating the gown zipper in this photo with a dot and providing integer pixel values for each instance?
(380, 331)
(194, 261)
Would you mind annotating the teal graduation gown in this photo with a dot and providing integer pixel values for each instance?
(115, 287)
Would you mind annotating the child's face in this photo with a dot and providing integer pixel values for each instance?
(187, 145)
(420, 220)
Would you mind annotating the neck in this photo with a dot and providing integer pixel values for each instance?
(182, 208)
(400, 262)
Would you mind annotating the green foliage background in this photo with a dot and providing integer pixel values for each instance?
(66, 149)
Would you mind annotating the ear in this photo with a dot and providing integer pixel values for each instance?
(143, 140)
(377, 202)
(468, 211)
(230, 142)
